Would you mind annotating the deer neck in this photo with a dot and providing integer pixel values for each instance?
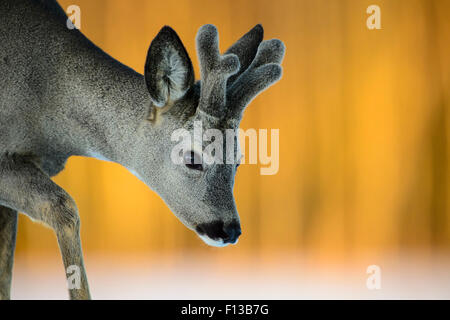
(110, 109)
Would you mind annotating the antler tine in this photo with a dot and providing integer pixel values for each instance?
(245, 48)
(264, 71)
(215, 70)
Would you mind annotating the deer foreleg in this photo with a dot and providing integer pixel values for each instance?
(25, 188)
(8, 231)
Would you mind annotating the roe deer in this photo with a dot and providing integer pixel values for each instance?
(62, 96)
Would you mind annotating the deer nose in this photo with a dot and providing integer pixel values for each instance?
(233, 230)
(217, 230)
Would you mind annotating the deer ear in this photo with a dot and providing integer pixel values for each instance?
(168, 68)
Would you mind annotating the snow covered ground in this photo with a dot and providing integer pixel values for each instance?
(197, 277)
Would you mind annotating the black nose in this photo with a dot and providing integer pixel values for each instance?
(217, 230)
(233, 230)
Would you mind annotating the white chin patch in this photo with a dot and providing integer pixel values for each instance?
(213, 243)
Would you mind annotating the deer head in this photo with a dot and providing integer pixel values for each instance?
(200, 193)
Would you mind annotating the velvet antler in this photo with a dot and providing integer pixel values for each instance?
(245, 48)
(230, 81)
(264, 71)
(215, 70)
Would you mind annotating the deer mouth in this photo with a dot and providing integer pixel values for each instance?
(213, 243)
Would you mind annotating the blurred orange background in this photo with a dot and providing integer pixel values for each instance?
(364, 126)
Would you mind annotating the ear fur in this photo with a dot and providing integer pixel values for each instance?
(168, 69)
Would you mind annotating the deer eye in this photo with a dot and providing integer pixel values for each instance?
(193, 161)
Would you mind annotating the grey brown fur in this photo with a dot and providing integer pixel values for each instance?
(61, 96)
